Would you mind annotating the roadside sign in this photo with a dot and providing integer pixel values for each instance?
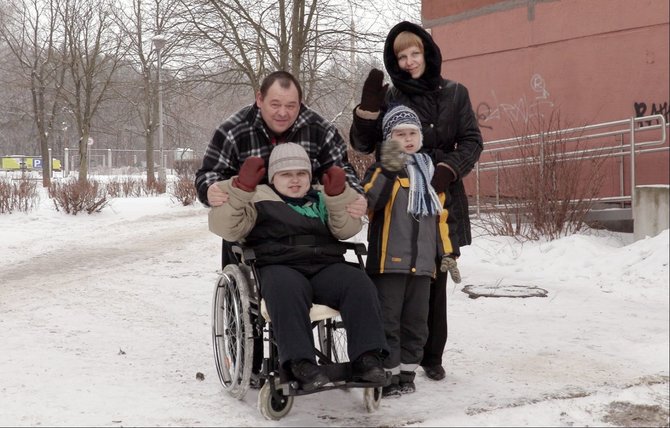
(37, 163)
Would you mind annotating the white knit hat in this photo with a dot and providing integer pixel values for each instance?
(400, 117)
(286, 157)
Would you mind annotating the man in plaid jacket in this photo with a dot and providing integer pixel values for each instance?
(277, 116)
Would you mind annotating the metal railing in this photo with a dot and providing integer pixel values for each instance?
(622, 138)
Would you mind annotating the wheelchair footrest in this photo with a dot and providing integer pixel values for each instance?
(340, 378)
(337, 372)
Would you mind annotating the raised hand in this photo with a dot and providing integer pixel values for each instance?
(392, 156)
(374, 90)
(333, 180)
(251, 173)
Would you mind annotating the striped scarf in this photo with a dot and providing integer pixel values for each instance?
(423, 200)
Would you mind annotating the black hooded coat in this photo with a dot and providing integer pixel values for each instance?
(449, 125)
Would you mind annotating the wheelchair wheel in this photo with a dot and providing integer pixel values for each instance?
(271, 407)
(232, 331)
(333, 339)
(372, 398)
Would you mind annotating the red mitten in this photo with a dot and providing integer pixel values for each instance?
(251, 173)
(333, 180)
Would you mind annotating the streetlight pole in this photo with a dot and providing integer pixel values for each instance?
(159, 42)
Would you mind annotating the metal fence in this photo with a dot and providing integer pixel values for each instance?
(108, 161)
(626, 138)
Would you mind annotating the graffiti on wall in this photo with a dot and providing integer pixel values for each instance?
(523, 110)
(642, 109)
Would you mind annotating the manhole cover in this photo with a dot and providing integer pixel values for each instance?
(475, 291)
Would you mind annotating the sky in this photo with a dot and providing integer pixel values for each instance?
(105, 320)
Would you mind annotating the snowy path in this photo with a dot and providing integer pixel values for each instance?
(108, 326)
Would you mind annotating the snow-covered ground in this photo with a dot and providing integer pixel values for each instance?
(105, 321)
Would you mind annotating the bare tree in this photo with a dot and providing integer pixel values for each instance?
(330, 45)
(136, 23)
(94, 51)
(16, 115)
(239, 41)
(29, 30)
(143, 20)
(102, 64)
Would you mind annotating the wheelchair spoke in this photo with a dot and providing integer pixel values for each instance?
(233, 346)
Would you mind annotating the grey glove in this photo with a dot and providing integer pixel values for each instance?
(449, 265)
(392, 156)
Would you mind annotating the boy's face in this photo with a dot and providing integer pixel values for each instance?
(410, 139)
(294, 183)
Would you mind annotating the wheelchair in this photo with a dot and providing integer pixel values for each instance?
(245, 350)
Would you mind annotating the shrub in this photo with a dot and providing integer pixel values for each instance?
(154, 187)
(132, 187)
(184, 190)
(74, 196)
(552, 189)
(18, 195)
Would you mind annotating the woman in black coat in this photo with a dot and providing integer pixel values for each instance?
(451, 136)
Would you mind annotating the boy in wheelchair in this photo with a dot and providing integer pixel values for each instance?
(295, 229)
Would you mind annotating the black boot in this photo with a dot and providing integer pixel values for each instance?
(407, 382)
(308, 374)
(434, 372)
(368, 368)
(392, 390)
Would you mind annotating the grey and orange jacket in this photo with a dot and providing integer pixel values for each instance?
(397, 241)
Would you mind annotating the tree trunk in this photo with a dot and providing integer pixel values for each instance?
(149, 143)
(83, 158)
(46, 161)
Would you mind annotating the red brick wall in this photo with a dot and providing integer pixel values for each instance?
(591, 61)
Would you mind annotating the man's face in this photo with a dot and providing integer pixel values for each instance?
(280, 107)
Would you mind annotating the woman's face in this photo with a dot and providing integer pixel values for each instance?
(294, 183)
(412, 61)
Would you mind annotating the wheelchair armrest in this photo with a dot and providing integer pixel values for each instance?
(245, 254)
(359, 248)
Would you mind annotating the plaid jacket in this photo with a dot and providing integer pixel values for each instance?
(244, 135)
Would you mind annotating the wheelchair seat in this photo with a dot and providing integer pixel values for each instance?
(316, 313)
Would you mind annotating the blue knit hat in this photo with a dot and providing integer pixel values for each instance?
(400, 117)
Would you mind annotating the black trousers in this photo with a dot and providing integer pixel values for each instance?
(404, 302)
(289, 295)
(437, 322)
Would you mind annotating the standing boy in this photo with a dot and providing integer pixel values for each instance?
(408, 232)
